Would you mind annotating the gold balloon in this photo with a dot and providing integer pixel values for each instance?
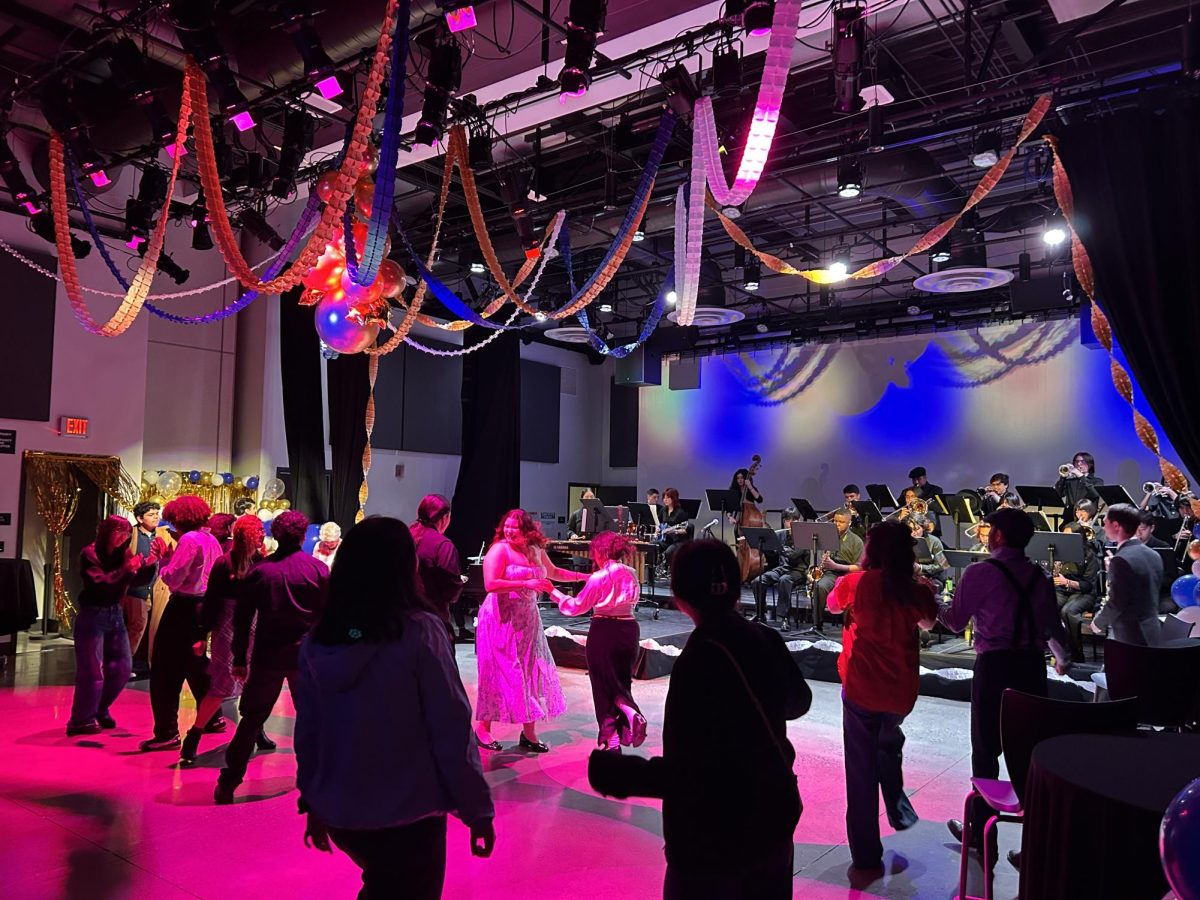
(238, 484)
(158, 499)
(284, 504)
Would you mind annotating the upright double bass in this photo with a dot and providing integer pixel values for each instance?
(752, 563)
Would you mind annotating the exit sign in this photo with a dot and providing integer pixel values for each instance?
(73, 426)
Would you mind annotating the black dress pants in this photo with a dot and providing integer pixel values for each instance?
(175, 661)
(262, 690)
(407, 862)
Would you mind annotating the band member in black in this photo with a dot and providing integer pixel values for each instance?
(925, 488)
(678, 529)
(852, 494)
(580, 523)
(743, 483)
(993, 495)
(658, 515)
(1145, 534)
(1076, 587)
(930, 552)
(1079, 482)
(788, 574)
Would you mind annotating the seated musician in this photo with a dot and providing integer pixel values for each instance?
(925, 489)
(931, 562)
(677, 529)
(844, 561)
(1076, 588)
(789, 573)
(657, 513)
(580, 523)
(1145, 534)
(982, 531)
(907, 497)
(853, 495)
(994, 495)
(1011, 500)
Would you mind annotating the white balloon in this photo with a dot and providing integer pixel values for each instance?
(216, 480)
(273, 489)
(169, 483)
(266, 514)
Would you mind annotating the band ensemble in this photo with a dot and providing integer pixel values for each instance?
(801, 581)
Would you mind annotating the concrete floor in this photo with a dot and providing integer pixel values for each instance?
(94, 818)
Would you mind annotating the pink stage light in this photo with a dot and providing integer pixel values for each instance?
(329, 87)
(460, 19)
(243, 120)
(135, 241)
(32, 208)
(182, 150)
(100, 178)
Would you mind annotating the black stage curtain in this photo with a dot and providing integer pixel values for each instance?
(303, 425)
(489, 476)
(1136, 179)
(349, 387)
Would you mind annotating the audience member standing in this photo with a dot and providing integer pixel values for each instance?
(879, 669)
(1134, 574)
(178, 653)
(438, 570)
(1012, 601)
(136, 602)
(518, 681)
(286, 591)
(611, 593)
(376, 667)
(108, 570)
(730, 801)
(329, 538)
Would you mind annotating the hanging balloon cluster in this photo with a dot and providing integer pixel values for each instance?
(348, 315)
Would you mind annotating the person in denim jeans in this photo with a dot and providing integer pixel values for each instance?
(102, 659)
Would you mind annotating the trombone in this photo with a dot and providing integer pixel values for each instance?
(914, 507)
(828, 517)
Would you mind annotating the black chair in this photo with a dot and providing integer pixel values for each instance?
(1175, 629)
(1165, 681)
(1025, 721)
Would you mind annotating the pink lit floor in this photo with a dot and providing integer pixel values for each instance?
(94, 818)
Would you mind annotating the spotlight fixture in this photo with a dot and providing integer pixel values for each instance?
(862, 327)
(193, 21)
(297, 141)
(479, 149)
(318, 67)
(478, 268)
(243, 120)
(757, 17)
(839, 262)
(849, 35)
(458, 18)
(986, 152)
(727, 71)
(58, 106)
(682, 93)
(1024, 266)
(585, 23)
(610, 191)
(1055, 231)
(849, 178)
(42, 224)
(129, 72)
(941, 318)
(672, 297)
(751, 276)
(201, 238)
(875, 140)
(639, 236)
(445, 76)
(14, 179)
(913, 310)
(254, 222)
(167, 265)
(762, 328)
(605, 307)
(941, 251)
(140, 209)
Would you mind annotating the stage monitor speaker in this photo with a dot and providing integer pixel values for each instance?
(684, 374)
(641, 367)
(1037, 296)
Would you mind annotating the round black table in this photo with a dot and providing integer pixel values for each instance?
(1093, 805)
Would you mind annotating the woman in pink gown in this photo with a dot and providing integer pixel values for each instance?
(518, 682)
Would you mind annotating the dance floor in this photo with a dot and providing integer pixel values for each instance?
(94, 818)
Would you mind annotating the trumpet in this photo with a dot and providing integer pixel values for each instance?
(1068, 470)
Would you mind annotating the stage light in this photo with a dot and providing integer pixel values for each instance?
(128, 67)
(986, 152)
(318, 67)
(252, 221)
(849, 178)
(757, 17)
(329, 87)
(479, 151)
(839, 262)
(100, 178)
(14, 179)
(1055, 231)
(639, 236)
(193, 21)
(941, 318)
(58, 107)
(201, 238)
(41, 223)
(605, 307)
(941, 251)
(913, 310)
(727, 71)
(849, 35)
(762, 328)
(478, 268)
(460, 19)
(751, 276)
(168, 266)
(297, 141)
(682, 93)
(672, 297)
(862, 327)
(445, 77)
(243, 120)
(1024, 266)
(585, 23)
(610, 191)
(875, 139)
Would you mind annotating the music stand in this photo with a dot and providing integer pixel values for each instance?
(598, 519)
(1042, 497)
(959, 509)
(819, 537)
(1056, 546)
(960, 559)
(1168, 529)
(691, 507)
(1040, 522)
(722, 501)
(1112, 494)
(882, 497)
(806, 509)
(868, 512)
(764, 540)
(640, 513)
(618, 516)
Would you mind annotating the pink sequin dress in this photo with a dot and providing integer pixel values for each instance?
(518, 681)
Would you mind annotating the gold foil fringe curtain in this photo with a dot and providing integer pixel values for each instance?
(220, 498)
(1172, 475)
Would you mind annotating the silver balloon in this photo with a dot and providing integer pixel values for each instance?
(273, 489)
(169, 483)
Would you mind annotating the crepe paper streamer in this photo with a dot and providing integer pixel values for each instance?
(363, 272)
(766, 114)
(1173, 476)
(135, 297)
(880, 267)
(348, 173)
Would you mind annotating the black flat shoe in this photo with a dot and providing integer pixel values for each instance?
(190, 747)
(155, 743)
(494, 745)
(218, 724)
(106, 720)
(262, 742)
(92, 727)
(955, 827)
(533, 746)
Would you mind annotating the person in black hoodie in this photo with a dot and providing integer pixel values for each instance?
(287, 592)
(730, 799)
(438, 569)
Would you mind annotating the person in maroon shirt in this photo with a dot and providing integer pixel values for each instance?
(886, 606)
(438, 569)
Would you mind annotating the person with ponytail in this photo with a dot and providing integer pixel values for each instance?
(730, 798)
(886, 605)
(439, 572)
(216, 619)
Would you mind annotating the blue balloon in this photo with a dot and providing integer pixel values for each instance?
(1178, 839)
(227, 477)
(1183, 591)
(194, 476)
(311, 536)
(252, 482)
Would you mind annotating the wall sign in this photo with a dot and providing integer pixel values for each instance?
(8, 440)
(73, 426)
(5, 518)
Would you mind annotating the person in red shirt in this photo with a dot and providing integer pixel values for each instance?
(886, 606)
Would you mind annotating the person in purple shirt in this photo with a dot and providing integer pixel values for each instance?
(439, 572)
(1011, 599)
(286, 591)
